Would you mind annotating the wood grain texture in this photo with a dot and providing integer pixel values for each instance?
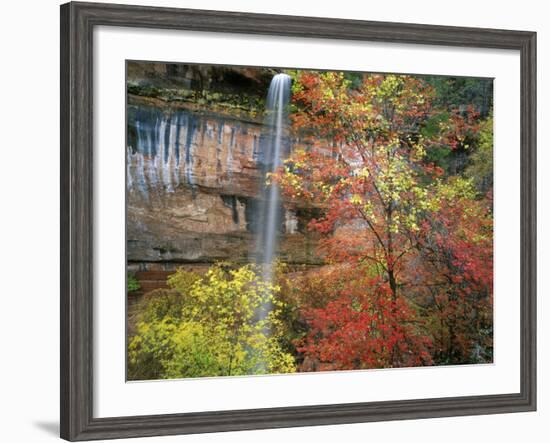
(77, 23)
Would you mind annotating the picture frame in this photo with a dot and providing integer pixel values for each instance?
(78, 21)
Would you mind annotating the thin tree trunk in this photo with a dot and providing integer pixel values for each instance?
(393, 288)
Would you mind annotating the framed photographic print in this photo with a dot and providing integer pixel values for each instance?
(273, 221)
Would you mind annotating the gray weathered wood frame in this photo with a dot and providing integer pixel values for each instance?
(77, 23)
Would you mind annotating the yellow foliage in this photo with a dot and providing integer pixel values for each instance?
(223, 323)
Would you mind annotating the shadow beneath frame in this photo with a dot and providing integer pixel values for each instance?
(49, 427)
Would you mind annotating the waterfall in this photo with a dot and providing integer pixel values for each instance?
(273, 146)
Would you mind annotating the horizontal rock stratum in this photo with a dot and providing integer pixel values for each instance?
(193, 180)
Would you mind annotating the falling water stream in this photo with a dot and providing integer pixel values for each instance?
(161, 155)
(274, 146)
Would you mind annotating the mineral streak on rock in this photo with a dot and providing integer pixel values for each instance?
(193, 188)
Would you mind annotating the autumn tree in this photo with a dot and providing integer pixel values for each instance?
(360, 326)
(455, 274)
(365, 166)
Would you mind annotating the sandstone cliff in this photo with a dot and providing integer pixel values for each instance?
(193, 181)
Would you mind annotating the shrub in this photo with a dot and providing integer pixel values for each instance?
(224, 323)
(131, 282)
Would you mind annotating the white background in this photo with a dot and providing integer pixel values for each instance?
(29, 225)
(114, 397)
